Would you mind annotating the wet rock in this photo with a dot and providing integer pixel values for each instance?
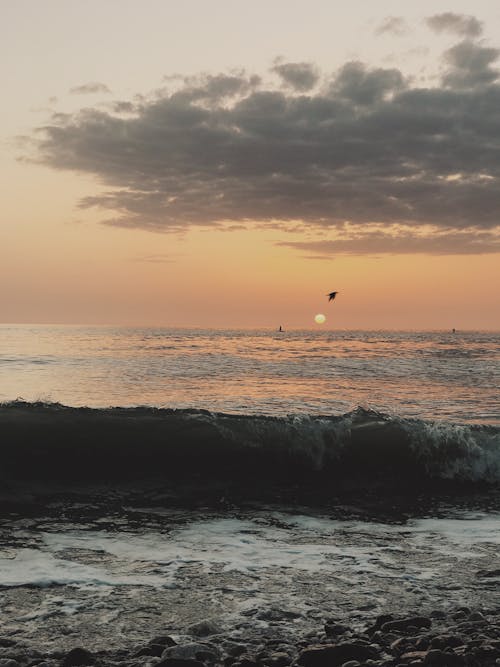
(379, 622)
(77, 657)
(436, 657)
(405, 624)
(334, 655)
(486, 574)
(246, 661)
(438, 614)
(8, 662)
(155, 650)
(422, 643)
(164, 640)
(334, 629)
(274, 614)
(234, 649)
(414, 655)
(6, 642)
(203, 652)
(278, 659)
(204, 629)
(445, 641)
(477, 616)
(179, 662)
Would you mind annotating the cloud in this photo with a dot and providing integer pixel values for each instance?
(365, 145)
(470, 65)
(395, 25)
(401, 241)
(91, 88)
(155, 258)
(360, 85)
(299, 76)
(458, 24)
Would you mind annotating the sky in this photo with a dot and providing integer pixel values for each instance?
(227, 164)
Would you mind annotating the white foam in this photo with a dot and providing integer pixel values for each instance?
(482, 528)
(250, 547)
(36, 567)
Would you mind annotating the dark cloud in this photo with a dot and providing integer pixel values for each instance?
(395, 25)
(299, 76)
(91, 88)
(458, 24)
(358, 84)
(361, 242)
(366, 146)
(470, 65)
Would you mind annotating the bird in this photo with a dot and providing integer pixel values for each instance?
(331, 296)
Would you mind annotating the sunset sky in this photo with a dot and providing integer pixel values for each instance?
(227, 163)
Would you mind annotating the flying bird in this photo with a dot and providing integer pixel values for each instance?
(332, 296)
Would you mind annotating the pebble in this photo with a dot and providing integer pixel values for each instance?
(461, 638)
(78, 657)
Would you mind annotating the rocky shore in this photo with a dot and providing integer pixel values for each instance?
(465, 637)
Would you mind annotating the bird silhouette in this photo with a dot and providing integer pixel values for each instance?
(332, 296)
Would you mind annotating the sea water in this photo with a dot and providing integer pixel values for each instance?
(109, 565)
(447, 376)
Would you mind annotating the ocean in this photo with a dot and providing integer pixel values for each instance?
(251, 493)
(443, 376)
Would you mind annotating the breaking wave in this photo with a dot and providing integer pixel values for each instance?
(49, 441)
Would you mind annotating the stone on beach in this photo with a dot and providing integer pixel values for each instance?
(78, 657)
(204, 629)
(335, 655)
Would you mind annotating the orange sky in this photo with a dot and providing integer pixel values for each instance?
(88, 273)
(60, 264)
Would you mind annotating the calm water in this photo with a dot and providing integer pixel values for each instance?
(453, 377)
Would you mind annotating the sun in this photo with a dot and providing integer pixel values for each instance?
(320, 318)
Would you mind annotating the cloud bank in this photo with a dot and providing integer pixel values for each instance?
(359, 145)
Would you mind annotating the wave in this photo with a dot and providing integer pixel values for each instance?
(49, 441)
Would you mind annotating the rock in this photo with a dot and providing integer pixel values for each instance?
(477, 616)
(204, 629)
(164, 640)
(193, 651)
(245, 661)
(8, 662)
(278, 659)
(445, 641)
(414, 655)
(488, 573)
(422, 644)
(334, 629)
(400, 645)
(379, 622)
(274, 614)
(6, 642)
(179, 662)
(438, 614)
(78, 656)
(351, 663)
(334, 655)
(234, 649)
(155, 650)
(405, 624)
